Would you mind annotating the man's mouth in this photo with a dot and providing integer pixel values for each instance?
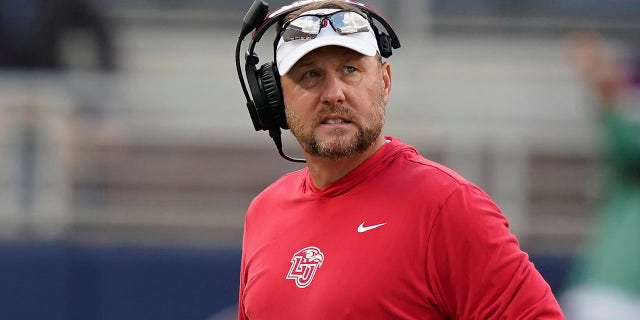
(334, 121)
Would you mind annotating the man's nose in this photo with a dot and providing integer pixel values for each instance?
(333, 89)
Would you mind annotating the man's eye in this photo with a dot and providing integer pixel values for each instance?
(311, 74)
(349, 69)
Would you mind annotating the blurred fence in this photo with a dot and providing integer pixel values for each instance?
(170, 155)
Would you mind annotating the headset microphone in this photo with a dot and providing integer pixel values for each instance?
(256, 14)
(264, 95)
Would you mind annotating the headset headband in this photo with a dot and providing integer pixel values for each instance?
(264, 99)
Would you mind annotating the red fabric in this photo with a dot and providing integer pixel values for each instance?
(443, 252)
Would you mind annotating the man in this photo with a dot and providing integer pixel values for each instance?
(370, 229)
(604, 283)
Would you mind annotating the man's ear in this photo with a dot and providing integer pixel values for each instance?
(386, 79)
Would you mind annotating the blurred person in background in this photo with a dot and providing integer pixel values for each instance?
(33, 33)
(370, 229)
(605, 283)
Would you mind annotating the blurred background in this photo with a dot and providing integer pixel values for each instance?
(128, 158)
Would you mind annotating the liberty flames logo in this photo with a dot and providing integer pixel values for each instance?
(304, 265)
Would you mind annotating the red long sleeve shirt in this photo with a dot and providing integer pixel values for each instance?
(399, 237)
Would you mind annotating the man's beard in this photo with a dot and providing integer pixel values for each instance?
(339, 145)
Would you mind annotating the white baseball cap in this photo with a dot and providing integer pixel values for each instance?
(288, 53)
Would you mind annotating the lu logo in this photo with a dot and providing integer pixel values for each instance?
(304, 265)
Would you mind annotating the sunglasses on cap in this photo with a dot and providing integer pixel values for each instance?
(308, 26)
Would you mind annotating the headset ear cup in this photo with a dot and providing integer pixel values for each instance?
(270, 80)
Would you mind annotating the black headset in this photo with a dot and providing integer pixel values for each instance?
(265, 102)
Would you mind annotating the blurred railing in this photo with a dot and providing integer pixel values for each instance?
(73, 170)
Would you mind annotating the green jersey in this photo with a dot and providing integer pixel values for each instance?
(613, 255)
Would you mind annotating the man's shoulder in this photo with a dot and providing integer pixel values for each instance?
(424, 169)
(407, 159)
(285, 183)
(275, 194)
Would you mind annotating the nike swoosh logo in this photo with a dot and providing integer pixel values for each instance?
(362, 228)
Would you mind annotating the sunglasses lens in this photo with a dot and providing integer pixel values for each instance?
(308, 27)
(347, 22)
(302, 28)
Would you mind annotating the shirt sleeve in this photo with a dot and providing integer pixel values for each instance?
(243, 283)
(476, 267)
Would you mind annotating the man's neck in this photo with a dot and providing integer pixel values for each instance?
(324, 171)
